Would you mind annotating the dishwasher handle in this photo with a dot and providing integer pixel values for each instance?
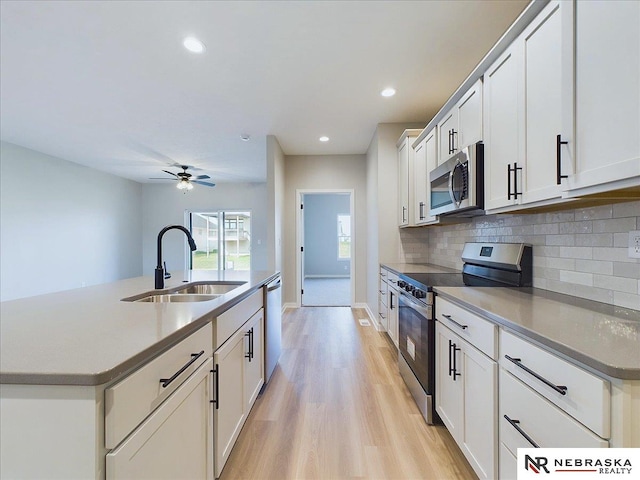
(274, 286)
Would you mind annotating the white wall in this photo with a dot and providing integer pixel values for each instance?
(63, 225)
(164, 205)
(320, 172)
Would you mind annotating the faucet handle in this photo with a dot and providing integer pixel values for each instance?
(166, 274)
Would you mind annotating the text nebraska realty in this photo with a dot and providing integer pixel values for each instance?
(595, 465)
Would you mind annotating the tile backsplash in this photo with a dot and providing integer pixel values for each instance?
(581, 252)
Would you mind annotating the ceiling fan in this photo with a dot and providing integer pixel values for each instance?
(186, 180)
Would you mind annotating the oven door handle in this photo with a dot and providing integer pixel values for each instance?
(422, 309)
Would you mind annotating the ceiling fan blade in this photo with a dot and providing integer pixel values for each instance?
(208, 184)
(162, 178)
(170, 173)
(201, 177)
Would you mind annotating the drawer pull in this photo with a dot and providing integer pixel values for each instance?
(514, 424)
(561, 389)
(459, 325)
(194, 356)
(216, 377)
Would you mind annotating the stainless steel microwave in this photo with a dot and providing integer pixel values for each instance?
(457, 186)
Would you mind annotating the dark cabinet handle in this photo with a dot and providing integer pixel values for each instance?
(559, 144)
(166, 381)
(449, 149)
(404, 218)
(249, 354)
(459, 325)
(450, 360)
(421, 210)
(454, 142)
(216, 377)
(561, 389)
(391, 300)
(513, 170)
(514, 424)
(453, 370)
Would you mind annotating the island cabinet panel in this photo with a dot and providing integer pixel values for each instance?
(51, 431)
(175, 441)
(230, 321)
(239, 377)
(131, 400)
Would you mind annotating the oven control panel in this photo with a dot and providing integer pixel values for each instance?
(412, 289)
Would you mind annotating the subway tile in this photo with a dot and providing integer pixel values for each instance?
(576, 227)
(627, 300)
(579, 278)
(555, 217)
(621, 240)
(592, 293)
(630, 209)
(576, 252)
(547, 251)
(594, 240)
(612, 254)
(593, 213)
(618, 284)
(629, 270)
(562, 263)
(594, 266)
(546, 229)
(564, 240)
(613, 225)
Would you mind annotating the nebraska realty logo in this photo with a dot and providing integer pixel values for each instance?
(585, 462)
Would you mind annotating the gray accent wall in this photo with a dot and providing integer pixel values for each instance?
(64, 225)
(321, 212)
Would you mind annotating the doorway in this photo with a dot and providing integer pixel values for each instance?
(325, 232)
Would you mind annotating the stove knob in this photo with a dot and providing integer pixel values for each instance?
(420, 294)
(401, 283)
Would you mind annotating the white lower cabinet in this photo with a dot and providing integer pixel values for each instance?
(466, 399)
(237, 384)
(175, 441)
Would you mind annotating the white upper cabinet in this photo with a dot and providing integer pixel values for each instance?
(607, 96)
(462, 125)
(525, 118)
(425, 159)
(405, 176)
(501, 130)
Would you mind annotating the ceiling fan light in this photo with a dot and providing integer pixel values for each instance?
(189, 186)
(184, 184)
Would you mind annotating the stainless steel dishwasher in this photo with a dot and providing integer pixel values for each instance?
(273, 326)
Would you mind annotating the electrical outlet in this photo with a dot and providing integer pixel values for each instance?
(634, 244)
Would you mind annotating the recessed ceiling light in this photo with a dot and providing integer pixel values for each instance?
(245, 137)
(324, 139)
(388, 92)
(193, 45)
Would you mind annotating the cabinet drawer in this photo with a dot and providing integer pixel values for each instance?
(543, 422)
(228, 322)
(479, 332)
(587, 397)
(130, 401)
(392, 280)
(383, 292)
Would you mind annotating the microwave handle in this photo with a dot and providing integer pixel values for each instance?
(453, 198)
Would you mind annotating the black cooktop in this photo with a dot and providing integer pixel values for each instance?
(429, 280)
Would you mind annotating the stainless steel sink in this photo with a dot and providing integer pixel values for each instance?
(194, 292)
(177, 297)
(209, 288)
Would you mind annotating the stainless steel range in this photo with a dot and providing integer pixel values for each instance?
(485, 265)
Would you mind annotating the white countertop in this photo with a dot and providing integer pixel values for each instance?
(88, 336)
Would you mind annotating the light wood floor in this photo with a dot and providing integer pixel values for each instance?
(337, 408)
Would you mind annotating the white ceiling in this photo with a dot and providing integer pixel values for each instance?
(109, 84)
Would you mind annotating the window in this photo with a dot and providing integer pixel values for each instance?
(344, 237)
(226, 248)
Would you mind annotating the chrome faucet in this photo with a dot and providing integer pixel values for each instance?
(159, 267)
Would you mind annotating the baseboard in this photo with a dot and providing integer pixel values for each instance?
(285, 306)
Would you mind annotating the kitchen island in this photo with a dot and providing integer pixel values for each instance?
(64, 355)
